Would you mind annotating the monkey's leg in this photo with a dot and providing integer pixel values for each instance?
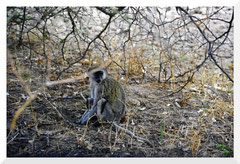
(84, 118)
(104, 111)
(88, 114)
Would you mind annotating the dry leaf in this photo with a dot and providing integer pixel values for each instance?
(89, 146)
(79, 141)
(143, 108)
(39, 62)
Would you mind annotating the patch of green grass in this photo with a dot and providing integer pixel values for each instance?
(227, 151)
(162, 130)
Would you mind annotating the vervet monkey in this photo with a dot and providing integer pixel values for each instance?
(107, 100)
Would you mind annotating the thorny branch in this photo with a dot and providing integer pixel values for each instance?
(156, 47)
(98, 36)
(137, 27)
(211, 43)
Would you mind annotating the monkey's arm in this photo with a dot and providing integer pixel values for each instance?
(92, 105)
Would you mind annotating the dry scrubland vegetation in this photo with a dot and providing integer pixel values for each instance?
(176, 65)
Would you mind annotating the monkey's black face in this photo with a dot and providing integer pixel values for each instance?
(98, 76)
(98, 81)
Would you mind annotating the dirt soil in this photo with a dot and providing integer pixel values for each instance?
(174, 129)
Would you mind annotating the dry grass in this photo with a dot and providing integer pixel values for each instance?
(191, 122)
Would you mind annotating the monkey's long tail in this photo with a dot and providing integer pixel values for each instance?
(133, 135)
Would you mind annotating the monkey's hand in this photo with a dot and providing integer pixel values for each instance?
(89, 103)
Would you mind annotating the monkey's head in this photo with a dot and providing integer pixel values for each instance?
(98, 75)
